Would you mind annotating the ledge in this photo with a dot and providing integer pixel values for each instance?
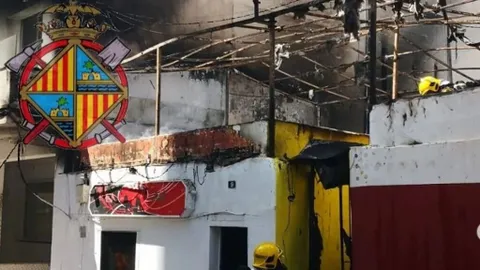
(221, 146)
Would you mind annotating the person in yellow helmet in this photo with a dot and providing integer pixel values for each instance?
(431, 84)
(268, 256)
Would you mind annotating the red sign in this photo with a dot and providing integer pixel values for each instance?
(166, 199)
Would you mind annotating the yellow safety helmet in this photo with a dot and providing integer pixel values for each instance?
(428, 84)
(266, 256)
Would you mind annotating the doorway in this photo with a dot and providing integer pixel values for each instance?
(118, 250)
(229, 247)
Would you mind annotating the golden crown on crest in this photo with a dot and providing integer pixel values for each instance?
(73, 20)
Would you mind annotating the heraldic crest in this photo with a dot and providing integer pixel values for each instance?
(71, 87)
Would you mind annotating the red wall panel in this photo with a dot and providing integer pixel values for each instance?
(424, 227)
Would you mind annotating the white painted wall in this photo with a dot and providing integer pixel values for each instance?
(166, 243)
(453, 162)
(186, 104)
(426, 120)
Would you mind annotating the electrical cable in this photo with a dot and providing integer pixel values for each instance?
(131, 16)
(9, 154)
(196, 177)
(133, 170)
(22, 176)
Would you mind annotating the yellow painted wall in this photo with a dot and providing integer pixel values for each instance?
(292, 223)
(291, 230)
(327, 208)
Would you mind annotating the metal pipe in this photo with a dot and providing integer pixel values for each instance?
(366, 120)
(271, 91)
(342, 248)
(383, 69)
(372, 45)
(227, 99)
(256, 9)
(395, 64)
(436, 58)
(449, 57)
(159, 92)
(218, 28)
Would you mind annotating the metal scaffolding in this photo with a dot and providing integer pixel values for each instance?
(322, 30)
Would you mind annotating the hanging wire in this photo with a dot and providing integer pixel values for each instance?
(137, 17)
(27, 186)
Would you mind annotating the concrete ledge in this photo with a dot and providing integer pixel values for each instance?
(220, 145)
(425, 164)
(426, 120)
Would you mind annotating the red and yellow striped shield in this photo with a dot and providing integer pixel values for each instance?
(74, 92)
(59, 78)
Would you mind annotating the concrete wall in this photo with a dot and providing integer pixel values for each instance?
(170, 239)
(467, 58)
(426, 120)
(193, 102)
(39, 166)
(12, 207)
(249, 102)
(13, 241)
(11, 42)
(187, 103)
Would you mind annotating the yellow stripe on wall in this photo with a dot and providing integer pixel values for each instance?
(79, 112)
(100, 104)
(71, 65)
(50, 80)
(60, 75)
(110, 100)
(39, 83)
(89, 110)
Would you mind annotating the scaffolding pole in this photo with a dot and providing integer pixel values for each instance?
(449, 57)
(158, 89)
(271, 91)
(372, 49)
(395, 64)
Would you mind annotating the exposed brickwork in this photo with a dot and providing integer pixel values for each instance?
(197, 145)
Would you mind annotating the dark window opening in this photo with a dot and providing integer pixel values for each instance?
(118, 251)
(233, 251)
(37, 225)
(30, 32)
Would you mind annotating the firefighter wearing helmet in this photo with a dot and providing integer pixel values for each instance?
(431, 84)
(268, 256)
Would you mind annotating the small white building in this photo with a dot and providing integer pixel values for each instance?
(206, 214)
(202, 200)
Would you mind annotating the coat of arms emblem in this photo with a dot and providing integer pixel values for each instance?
(72, 85)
